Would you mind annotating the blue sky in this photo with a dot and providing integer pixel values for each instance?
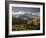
(26, 9)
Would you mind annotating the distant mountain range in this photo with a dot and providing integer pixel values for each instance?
(17, 14)
(25, 16)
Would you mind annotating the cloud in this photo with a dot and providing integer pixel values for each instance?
(20, 12)
(17, 14)
(36, 14)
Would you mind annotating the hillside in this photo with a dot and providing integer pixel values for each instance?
(27, 25)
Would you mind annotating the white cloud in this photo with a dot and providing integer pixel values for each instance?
(20, 12)
(17, 14)
(36, 14)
